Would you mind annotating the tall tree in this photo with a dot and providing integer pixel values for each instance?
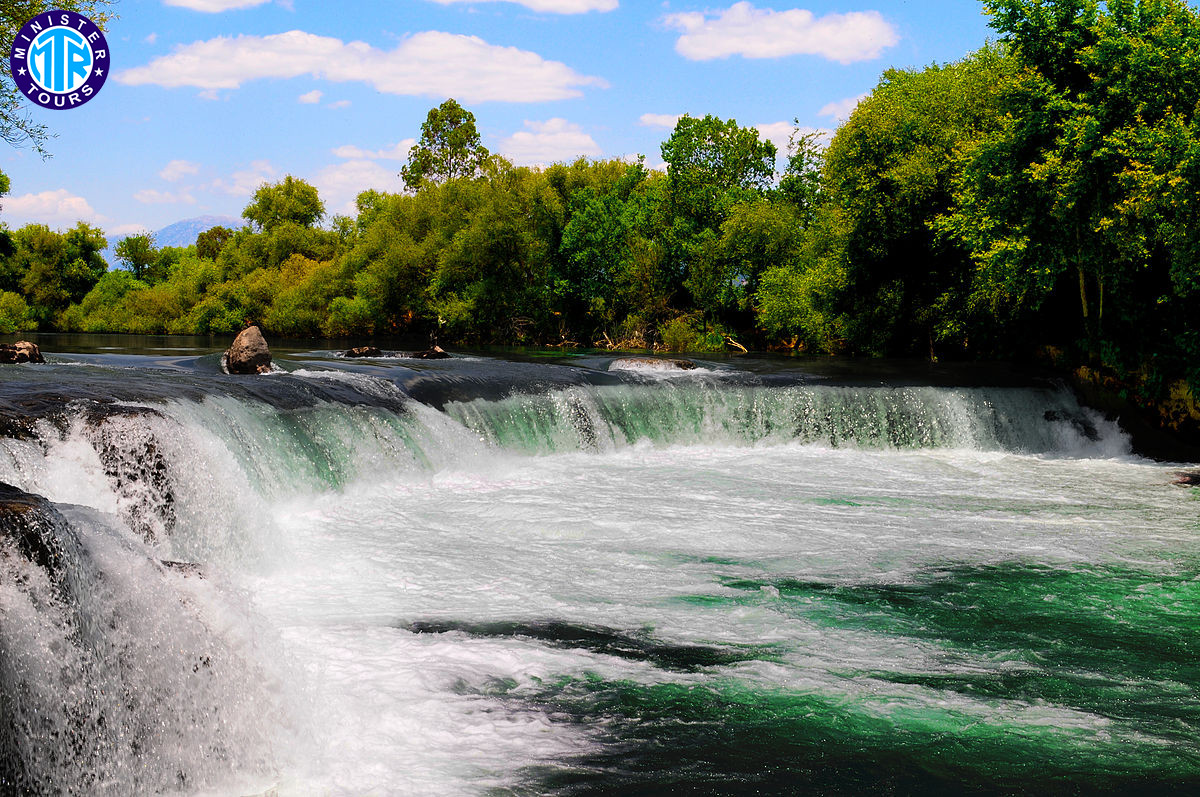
(137, 252)
(1086, 187)
(289, 201)
(712, 163)
(449, 147)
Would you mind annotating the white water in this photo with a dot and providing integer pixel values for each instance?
(323, 534)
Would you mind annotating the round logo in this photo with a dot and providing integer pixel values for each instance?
(59, 59)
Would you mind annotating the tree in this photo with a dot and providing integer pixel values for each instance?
(289, 201)
(711, 163)
(137, 252)
(1089, 185)
(890, 171)
(210, 242)
(58, 269)
(448, 149)
(17, 126)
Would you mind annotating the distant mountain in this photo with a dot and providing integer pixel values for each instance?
(181, 233)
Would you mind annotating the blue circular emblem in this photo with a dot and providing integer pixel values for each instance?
(59, 59)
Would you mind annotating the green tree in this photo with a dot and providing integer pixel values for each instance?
(210, 242)
(1086, 188)
(890, 170)
(291, 200)
(137, 252)
(449, 147)
(711, 163)
(58, 268)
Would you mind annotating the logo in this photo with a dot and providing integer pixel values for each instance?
(59, 59)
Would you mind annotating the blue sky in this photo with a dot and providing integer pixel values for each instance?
(208, 99)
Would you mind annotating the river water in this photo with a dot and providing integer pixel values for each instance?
(515, 575)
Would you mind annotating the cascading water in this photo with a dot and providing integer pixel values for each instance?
(480, 576)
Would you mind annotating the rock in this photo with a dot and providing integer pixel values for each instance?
(1187, 478)
(651, 364)
(363, 351)
(249, 353)
(436, 353)
(20, 352)
(29, 521)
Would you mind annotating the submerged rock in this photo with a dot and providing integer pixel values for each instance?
(651, 364)
(363, 351)
(436, 353)
(249, 353)
(20, 352)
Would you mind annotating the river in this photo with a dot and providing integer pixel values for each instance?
(530, 573)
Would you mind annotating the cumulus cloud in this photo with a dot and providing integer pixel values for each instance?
(339, 104)
(59, 208)
(430, 64)
(339, 183)
(751, 32)
(150, 196)
(666, 120)
(841, 109)
(551, 141)
(311, 97)
(551, 6)
(396, 152)
(245, 182)
(176, 170)
(214, 6)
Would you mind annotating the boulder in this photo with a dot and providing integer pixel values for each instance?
(363, 351)
(20, 352)
(249, 353)
(436, 353)
(652, 364)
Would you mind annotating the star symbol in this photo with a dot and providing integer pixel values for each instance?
(99, 71)
(21, 71)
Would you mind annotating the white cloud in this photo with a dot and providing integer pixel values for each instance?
(311, 97)
(397, 152)
(245, 181)
(151, 196)
(176, 170)
(430, 63)
(778, 133)
(750, 32)
(552, 6)
(666, 120)
(58, 208)
(339, 183)
(214, 6)
(151, 38)
(841, 109)
(339, 104)
(551, 141)
(209, 94)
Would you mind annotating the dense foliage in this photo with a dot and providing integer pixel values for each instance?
(1044, 191)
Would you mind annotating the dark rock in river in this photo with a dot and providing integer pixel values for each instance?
(651, 364)
(1082, 425)
(28, 521)
(20, 352)
(363, 351)
(436, 353)
(136, 467)
(249, 353)
(1186, 478)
